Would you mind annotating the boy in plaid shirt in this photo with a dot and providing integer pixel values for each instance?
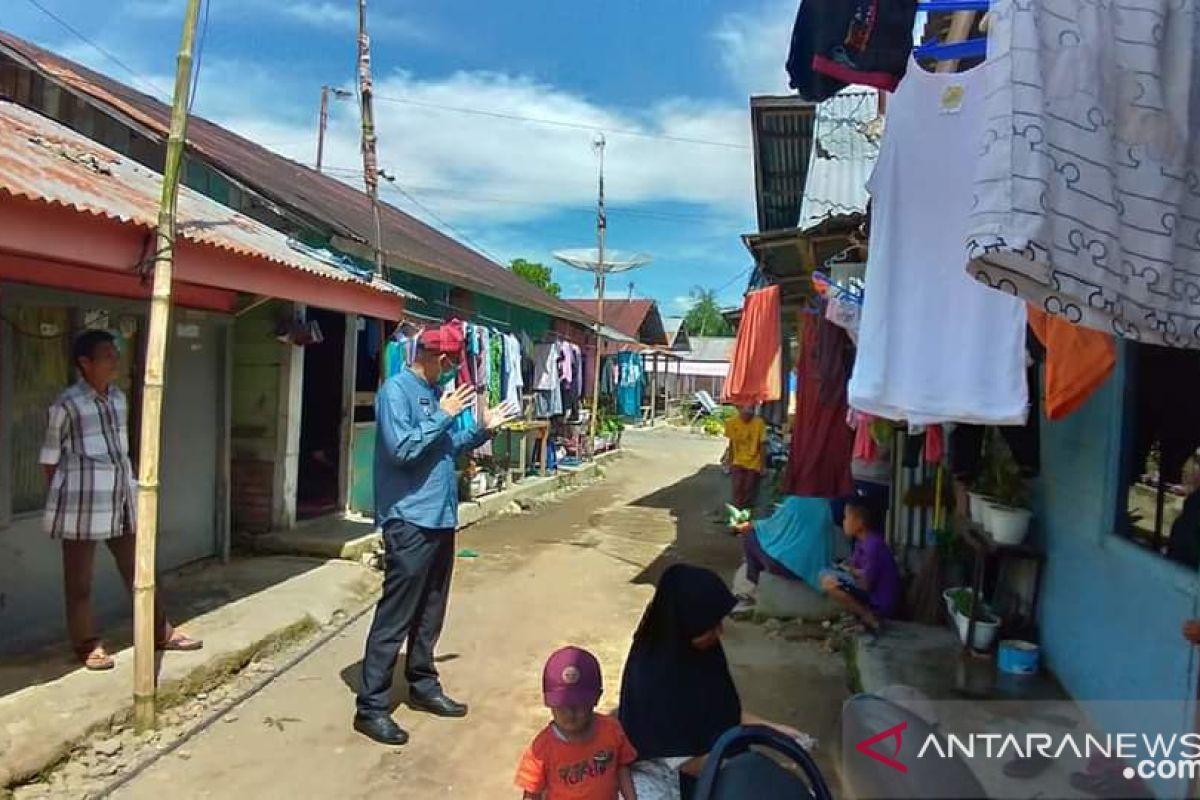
(91, 497)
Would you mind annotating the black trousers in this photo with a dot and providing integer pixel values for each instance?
(418, 564)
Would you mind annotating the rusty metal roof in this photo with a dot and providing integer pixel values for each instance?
(43, 161)
(628, 317)
(411, 245)
(783, 142)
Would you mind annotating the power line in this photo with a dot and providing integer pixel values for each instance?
(443, 222)
(75, 32)
(499, 200)
(559, 123)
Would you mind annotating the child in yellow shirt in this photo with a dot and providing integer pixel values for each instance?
(746, 454)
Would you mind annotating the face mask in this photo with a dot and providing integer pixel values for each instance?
(447, 375)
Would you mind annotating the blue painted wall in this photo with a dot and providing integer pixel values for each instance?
(1110, 612)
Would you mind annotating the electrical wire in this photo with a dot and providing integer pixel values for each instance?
(77, 34)
(560, 123)
(388, 182)
(499, 200)
(199, 57)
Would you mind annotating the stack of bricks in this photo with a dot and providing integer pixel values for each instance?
(252, 488)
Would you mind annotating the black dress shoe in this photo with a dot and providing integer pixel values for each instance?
(381, 729)
(439, 705)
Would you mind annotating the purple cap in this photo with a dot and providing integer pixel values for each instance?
(572, 678)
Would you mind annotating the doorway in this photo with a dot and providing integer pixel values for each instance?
(317, 490)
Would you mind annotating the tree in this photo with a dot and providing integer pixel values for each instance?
(537, 274)
(704, 317)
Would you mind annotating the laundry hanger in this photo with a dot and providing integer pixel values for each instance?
(956, 50)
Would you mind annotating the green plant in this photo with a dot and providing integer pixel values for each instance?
(962, 600)
(1001, 477)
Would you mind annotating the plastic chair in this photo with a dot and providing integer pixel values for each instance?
(735, 772)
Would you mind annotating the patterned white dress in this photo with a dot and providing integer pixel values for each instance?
(1087, 195)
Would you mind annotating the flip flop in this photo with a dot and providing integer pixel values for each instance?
(180, 643)
(94, 658)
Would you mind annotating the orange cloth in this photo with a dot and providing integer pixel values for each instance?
(576, 770)
(756, 369)
(1078, 361)
(747, 442)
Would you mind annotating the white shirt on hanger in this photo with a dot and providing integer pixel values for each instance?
(934, 345)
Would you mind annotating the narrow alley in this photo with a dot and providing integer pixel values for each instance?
(579, 571)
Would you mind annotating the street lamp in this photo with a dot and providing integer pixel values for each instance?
(339, 94)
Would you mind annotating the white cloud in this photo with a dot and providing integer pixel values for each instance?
(482, 171)
(318, 14)
(345, 16)
(754, 46)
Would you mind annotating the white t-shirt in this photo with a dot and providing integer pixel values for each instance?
(934, 345)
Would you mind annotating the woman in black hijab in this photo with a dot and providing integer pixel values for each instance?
(677, 696)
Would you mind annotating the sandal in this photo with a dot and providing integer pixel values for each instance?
(180, 643)
(94, 657)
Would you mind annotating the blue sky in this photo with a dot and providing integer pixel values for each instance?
(664, 68)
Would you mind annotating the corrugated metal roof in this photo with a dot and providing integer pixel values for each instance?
(44, 161)
(843, 157)
(627, 316)
(783, 141)
(710, 348)
(411, 245)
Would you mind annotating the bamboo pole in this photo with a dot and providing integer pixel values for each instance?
(154, 385)
(369, 141)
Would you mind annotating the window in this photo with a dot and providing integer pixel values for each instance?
(1161, 500)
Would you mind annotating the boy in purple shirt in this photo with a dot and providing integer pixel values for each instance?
(869, 587)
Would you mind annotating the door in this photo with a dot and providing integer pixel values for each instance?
(191, 441)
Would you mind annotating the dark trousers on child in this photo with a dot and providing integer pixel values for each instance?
(745, 486)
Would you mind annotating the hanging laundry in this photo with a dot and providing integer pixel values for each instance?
(822, 443)
(514, 380)
(630, 385)
(755, 370)
(545, 363)
(935, 444)
(495, 368)
(1087, 201)
(836, 43)
(932, 347)
(1078, 361)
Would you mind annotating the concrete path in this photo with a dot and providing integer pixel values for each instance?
(579, 571)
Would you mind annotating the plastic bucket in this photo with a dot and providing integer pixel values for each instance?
(1017, 657)
(977, 507)
(1008, 525)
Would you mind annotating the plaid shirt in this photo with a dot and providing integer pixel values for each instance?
(91, 495)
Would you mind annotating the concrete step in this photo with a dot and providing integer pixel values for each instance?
(48, 703)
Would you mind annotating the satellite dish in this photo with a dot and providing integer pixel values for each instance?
(588, 259)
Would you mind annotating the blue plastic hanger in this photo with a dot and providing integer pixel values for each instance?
(939, 6)
(972, 48)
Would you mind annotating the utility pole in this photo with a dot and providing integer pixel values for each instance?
(340, 94)
(601, 229)
(154, 385)
(370, 158)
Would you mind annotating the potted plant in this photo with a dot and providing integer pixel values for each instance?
(987, 623)
(1008, 513)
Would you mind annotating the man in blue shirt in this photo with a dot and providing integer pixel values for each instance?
(416, 502)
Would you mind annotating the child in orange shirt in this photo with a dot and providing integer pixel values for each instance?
(581, 755)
